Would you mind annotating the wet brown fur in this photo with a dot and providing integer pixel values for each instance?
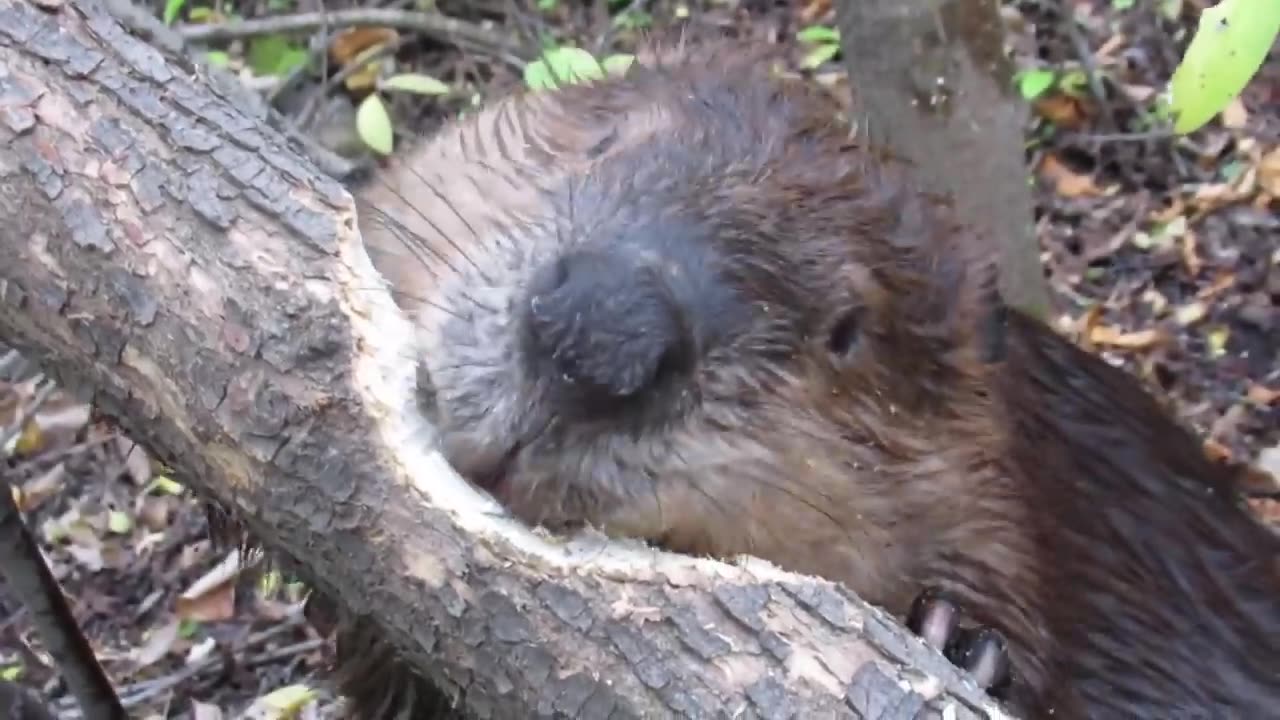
(1042, 488)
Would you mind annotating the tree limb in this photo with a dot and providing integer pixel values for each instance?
(932, 82)
(211, 287)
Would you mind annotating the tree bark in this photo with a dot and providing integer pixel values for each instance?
(932, 81)
(162, 248)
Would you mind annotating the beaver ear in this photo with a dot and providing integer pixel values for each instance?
(845, 331)
(852, 312)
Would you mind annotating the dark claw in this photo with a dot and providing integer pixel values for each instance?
(982, 652)
(934, 618)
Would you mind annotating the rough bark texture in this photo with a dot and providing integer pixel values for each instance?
(210, 286)
(933, 82)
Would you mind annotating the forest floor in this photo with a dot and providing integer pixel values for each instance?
(1161, 253)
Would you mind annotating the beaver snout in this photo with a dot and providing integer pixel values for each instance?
(608, 324)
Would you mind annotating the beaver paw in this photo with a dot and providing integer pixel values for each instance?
(981, 651)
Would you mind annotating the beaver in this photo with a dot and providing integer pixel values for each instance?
(686, 305)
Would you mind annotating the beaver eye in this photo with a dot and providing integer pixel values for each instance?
(845, 332)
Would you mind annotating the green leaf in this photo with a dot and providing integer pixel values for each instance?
(10, 673)
(1229, 46)
(374, 124)
(618, 63)
(1074, 82)
(819, 55)
(200, 14)
(274, 55)
(163, 484)
(119, 523)
(217, 58)
(633, 20)
(1034, 83)
(818, 34)
(171, 10)
(288, 700)
(415, 83)
(538, 76)
(562, 64)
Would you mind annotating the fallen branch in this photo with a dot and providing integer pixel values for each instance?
(432, 25)
(212, 288)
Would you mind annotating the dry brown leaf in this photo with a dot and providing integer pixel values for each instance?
(1063, 110)
(1269, 462)
(366, 78)
(814, 10)
(349, 43)
(193, 553)
(1253, 480)
(35, 491)
(205, 711)
(1268, 511)
(1136, 93)
(1129, 340)
(1067, 182)
(1262, 395)
(1234, 115)
(154, 511)
(1156, 300)
(1223, 282)
(1166, 215)
(1216, 451)
(1191, 313)
(1110, 47)
(158, 643)
(213, 605)
(1082, 328)
(212, 596)
(1213, 196)
(137, 462)
(1190, 257)
(89, 556)
(1269, 172)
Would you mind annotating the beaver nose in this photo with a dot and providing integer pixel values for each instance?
(607, 323)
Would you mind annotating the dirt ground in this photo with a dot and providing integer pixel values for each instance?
(1161, 253)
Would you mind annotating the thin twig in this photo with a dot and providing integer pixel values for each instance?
(135, 694)
(1120, 137)
(431, 24)
(1085, 54)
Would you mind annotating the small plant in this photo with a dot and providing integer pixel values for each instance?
(824, 42)
(1034, 83)
(572, 65)
(274, 55)
(373, 122)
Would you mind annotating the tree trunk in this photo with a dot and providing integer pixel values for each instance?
(931, 80)
(173, 254)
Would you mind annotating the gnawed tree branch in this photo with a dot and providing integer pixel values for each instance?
(211, 287)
